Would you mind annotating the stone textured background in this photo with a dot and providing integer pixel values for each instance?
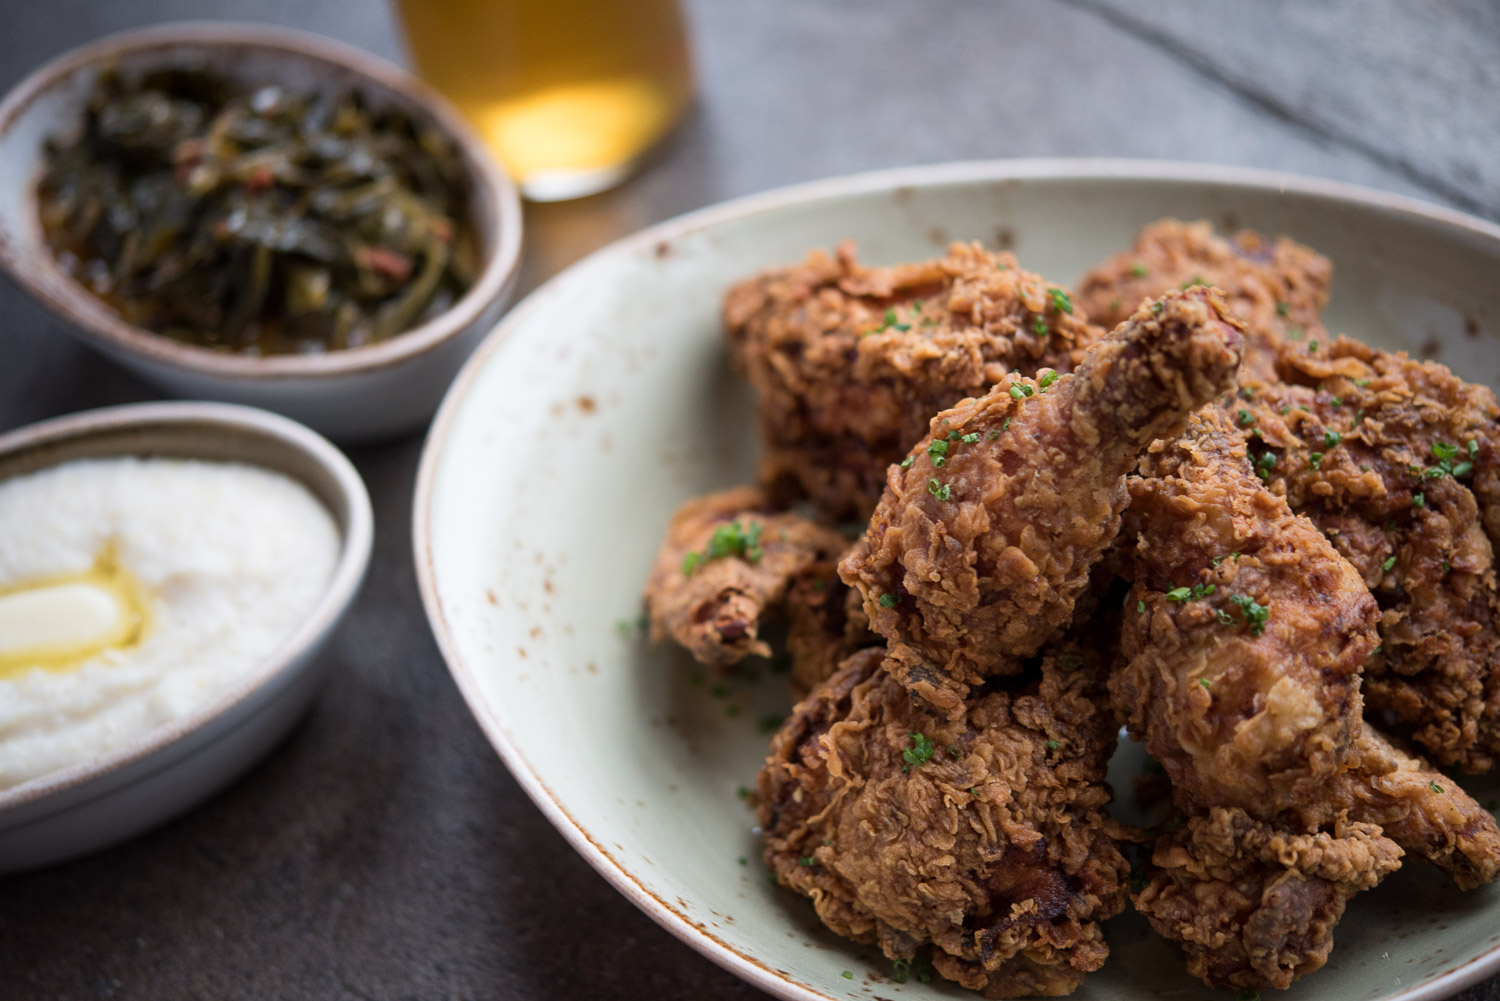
(383, 852)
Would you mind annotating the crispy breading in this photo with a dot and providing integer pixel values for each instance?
(1278, 289)
(1253, 905)
(983, 837)
(1398, 462)
(982, 544)
(1244, 632)
(1241, 648)
(713, 605)
(849, 362)
(1425, 812)
(826, 624)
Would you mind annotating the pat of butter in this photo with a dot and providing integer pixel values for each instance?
(61, 617)
(58, 624)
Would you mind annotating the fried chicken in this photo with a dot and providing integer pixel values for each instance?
(849, 362)
(728, 558)
(983, 837)
(1417, 807)
(1244, 632)
(987, 533)
(1254, 905)
(826, 624)
(1398, 462)
(1243, 639)
(1277, 289)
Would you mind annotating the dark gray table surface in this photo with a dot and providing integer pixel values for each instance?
(384, 852)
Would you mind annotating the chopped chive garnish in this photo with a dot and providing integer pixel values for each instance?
(920, 750)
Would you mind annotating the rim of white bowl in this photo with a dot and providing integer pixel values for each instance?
(356, 543)
(1037, 169)
(493, 195)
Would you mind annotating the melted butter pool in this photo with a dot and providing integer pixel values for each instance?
(58, 623)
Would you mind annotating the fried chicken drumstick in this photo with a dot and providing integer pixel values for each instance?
(849, 362)
(1244, 633)
(983, 837)
(987, 533)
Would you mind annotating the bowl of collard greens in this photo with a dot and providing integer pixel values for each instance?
(261, 216)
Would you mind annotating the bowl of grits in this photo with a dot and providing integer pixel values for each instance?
(168, 575)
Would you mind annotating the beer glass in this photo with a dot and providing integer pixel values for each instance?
(568, 93)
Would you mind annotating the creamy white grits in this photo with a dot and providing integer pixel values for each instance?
(227, 561)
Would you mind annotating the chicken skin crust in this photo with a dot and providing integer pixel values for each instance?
(728, 559)
(1278, 289)
(1243, 635)
(983, 837)
(986, 536)
(1398, 462)
(826, 625)
(1239, 665)
(1254, 905)
(1425, 812)
(849, 362)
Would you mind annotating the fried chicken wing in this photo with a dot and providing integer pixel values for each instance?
(849, 362)
(1244, 632)
(987, 533)
(1254, 905)
(1277, 289)
(1417, 807)
(1398, 462)
(983, 837)
(729, 557)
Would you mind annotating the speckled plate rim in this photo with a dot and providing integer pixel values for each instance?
(495, 193)
(492, 351)
(356, 544)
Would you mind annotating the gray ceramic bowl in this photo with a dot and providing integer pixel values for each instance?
(606, 398)
(137, 786)
(359, 394)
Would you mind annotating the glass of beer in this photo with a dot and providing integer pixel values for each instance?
(568, 93)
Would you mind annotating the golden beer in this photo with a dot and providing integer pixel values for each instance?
(568, 93)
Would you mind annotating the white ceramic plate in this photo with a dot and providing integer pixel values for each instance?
(605, 399)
